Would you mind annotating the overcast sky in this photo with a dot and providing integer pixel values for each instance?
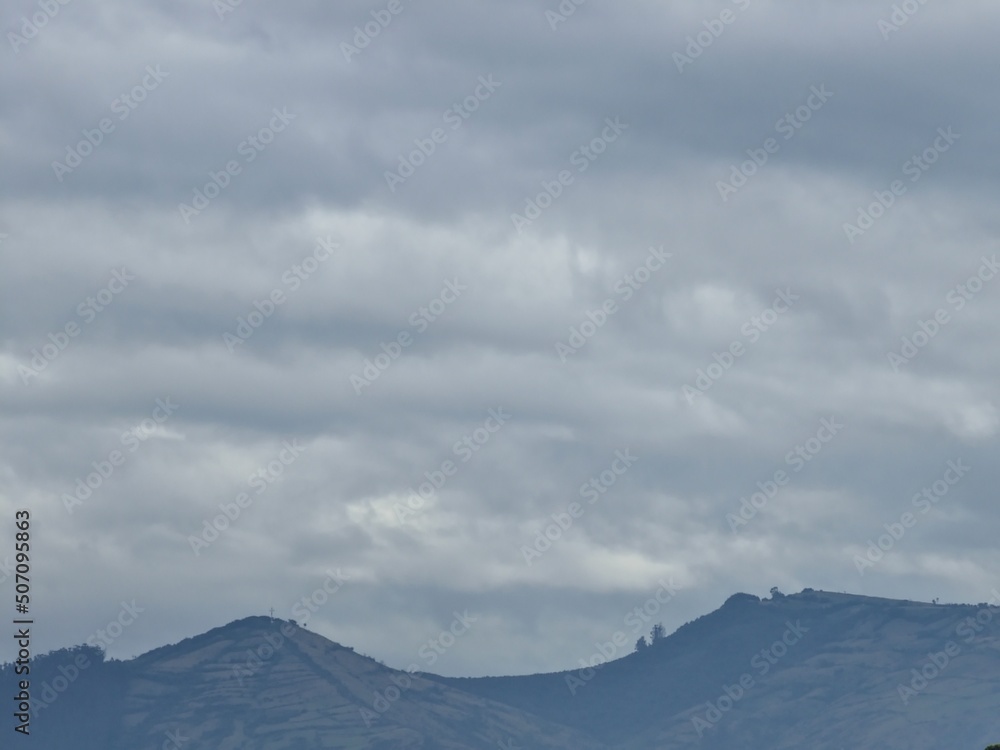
(609, 268)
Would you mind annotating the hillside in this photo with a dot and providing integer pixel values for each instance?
(258, 684)
(814, 669)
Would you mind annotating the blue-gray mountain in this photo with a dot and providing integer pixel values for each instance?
(814, 669)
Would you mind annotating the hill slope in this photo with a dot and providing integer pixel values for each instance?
(815, 669)
(258, 684)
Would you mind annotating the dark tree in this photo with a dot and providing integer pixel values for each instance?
(641, 645)
(657, 633)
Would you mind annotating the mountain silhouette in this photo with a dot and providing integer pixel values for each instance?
(815, 669)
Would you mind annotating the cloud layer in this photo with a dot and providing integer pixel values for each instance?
(491, 248)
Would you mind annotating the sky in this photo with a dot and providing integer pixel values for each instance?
(497, 319)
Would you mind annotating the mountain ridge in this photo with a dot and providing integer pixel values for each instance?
(824, 669)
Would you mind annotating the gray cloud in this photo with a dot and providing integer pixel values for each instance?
(494, 345)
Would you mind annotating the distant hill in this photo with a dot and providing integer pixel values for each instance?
(815, 669)
(812, 670)
(262, 684)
